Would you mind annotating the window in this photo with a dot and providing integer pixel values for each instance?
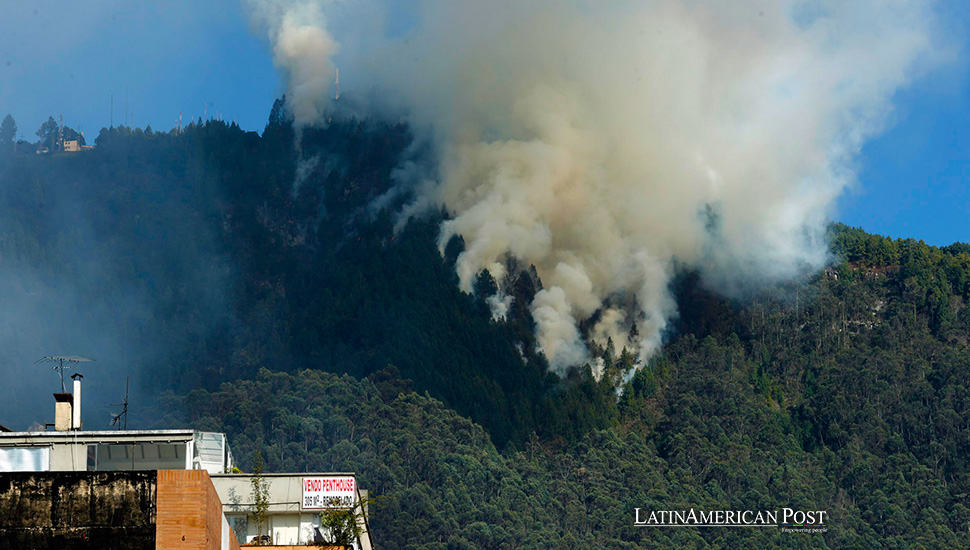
(240, 525)
(25, 459)
(109, 457)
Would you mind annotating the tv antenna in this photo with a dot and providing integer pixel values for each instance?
(62, 362)
(121, 419)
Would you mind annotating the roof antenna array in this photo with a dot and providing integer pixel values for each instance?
(59, 363)
(121, 419)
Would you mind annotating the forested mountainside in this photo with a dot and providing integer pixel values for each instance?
(855, 396)
(296, 320)
(234, 269)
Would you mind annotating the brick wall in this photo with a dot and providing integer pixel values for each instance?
(188, 512)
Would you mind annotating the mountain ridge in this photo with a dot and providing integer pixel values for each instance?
(198, 261)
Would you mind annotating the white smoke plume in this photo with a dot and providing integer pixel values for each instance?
(303, 51)
(603, 142)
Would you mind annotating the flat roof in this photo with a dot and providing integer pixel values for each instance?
(102, 434)
(291, 474)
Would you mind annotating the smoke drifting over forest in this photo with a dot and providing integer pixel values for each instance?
(605, 143)
(104, 258)
(302, 50)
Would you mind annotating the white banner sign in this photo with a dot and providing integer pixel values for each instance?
(320, 493)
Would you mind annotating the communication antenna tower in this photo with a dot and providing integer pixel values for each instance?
(121, 419)
(62, 362)
(336, 84)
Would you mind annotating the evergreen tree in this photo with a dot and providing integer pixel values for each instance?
(8, 134)
(48, 133)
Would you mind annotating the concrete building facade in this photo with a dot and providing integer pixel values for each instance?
(295, 504)
(114, 450)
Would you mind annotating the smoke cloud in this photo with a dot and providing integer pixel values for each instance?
(606, 142)
(302, 50)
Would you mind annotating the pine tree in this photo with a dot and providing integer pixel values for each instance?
(8, 134)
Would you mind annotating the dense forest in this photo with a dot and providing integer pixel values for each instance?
(286, 311)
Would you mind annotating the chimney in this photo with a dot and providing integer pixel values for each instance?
(76, 416)
(63, 413)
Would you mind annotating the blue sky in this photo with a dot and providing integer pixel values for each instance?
(59, 57)
(914, 180)
(171, 56)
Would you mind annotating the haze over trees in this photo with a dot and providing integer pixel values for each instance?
(297, 320)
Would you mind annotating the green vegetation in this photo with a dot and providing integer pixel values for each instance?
(237, 273)
(839, 398)
(344, 526)
(8, 134)
(297, 321)
(259, 492)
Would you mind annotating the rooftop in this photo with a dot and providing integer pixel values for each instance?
(101, 434)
